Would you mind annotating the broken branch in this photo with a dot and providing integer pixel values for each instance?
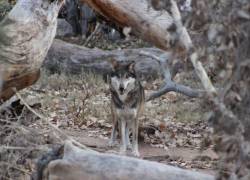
(169, 85)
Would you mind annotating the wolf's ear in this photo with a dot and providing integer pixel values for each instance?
(114, 64)
(131, 67)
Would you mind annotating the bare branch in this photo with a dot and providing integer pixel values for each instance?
(23, 148)
(212, 93)
(97, 27)
(201, 73)
(169, 84)
(172, 86)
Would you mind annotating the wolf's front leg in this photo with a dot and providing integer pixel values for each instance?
(128, 144)
(123, 137)
(113, 134)
(114, 126)
(135, 127)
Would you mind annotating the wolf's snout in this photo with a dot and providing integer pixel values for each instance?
(121, 89)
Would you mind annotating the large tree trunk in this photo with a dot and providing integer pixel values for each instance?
(78, 164)
(162, 28)
(26, 34)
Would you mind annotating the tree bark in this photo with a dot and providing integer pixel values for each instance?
(64, 57)
(68, 58)
(78, 164)
(162, 28)
(26, 34)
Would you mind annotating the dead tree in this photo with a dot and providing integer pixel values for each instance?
(226, 33)
(150, 62)
(160, 25)
(162, 28)
(26, 34)
(76, 164)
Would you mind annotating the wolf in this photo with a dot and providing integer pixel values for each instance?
(127, 103)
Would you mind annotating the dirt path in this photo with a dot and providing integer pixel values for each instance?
(189, 158)
(173, 126)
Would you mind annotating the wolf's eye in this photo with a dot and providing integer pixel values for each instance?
(112, 74)
(127, 76)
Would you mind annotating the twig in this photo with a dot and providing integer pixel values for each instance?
(157, 158)
(22, 148)
(66, 137)
(92, 34)
(10, 137)
(15, 167)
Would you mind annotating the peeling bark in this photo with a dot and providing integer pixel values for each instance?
(26, 34)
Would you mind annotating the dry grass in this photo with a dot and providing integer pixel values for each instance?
(77, 103)
(23, 138)
(76, 99)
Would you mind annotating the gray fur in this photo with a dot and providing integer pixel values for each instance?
(127, 102)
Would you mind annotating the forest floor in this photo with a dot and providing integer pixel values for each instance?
(173, 128)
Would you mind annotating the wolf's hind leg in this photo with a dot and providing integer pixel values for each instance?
(128, 144)
(123, 137)
(135, 127)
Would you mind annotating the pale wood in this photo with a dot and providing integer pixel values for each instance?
(162, 28)
(64, 57)
(78, 164)
(26, 34)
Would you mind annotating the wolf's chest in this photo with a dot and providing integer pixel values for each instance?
(126, 101)
(126, 113)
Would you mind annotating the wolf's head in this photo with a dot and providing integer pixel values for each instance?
(122, 78)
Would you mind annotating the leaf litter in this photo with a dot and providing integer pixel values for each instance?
(172, 122)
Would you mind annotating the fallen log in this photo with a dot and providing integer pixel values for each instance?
(78, 164)
(26, 34)
(70, 58)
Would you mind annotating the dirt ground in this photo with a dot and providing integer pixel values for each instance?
(173, 128)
